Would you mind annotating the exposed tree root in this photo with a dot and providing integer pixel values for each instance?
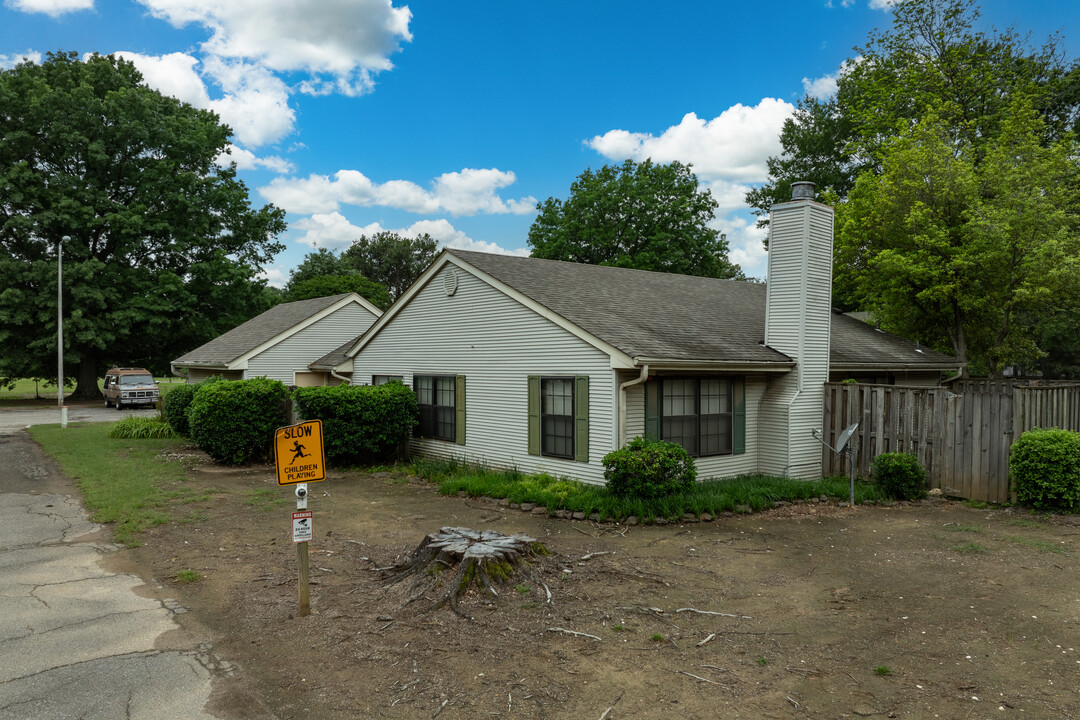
(482, 558)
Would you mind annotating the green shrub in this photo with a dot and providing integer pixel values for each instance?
(361, 423)
(234, 421)
(1045, 470)
(899, 475)
(648, 469)
(174, 406)
(140, 428)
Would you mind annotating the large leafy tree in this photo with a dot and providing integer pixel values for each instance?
(390, 259)
(326, 285)
(931, 57)
(922, 149)
(165, 247)
(966, 246)
(321, 263)
(635, 215)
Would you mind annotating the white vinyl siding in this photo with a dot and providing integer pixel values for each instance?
(295, 352)
(797, 323)
(196, 375)
(496, 343)
(720, 466)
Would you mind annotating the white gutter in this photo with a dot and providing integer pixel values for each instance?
(620, 441)
(724, 365)
(342, 378)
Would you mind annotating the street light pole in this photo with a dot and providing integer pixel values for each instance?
(60, 320)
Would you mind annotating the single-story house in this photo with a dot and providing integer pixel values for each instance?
(280, 340)
(548, 366)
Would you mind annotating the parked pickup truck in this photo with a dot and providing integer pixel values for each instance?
(130, 386)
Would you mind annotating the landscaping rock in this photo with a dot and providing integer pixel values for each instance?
(579, 516)
(632, 520)
(504, 502)
(743, 509)
(527, 507)
(706, 517)
(595, 517)
(513, 505)
(539, 510)
(690, 518)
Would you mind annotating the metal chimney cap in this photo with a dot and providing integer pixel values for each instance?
(802, 190)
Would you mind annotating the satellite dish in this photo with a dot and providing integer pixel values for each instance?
(842, 441)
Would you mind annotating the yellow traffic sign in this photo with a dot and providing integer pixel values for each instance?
(298, 453)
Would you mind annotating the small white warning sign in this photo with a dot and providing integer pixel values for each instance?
(301, 526)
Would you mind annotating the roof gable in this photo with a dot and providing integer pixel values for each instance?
(262, 331)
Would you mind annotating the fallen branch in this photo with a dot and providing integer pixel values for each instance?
(436, 713)
(711, 636)
(571, 632)
(590, 556)
(612, 707)
(710, 612)
(698, 677)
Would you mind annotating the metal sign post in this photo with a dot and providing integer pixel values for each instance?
(298, 460)
(843, 447)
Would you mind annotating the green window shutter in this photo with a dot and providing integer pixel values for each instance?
(581, 418)
(534, 414)
(652, 409)
(738, 416)
(459, 402)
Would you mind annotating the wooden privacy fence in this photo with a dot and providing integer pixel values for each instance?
(960, 433)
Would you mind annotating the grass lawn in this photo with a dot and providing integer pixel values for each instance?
(127, 483)
(44, 390)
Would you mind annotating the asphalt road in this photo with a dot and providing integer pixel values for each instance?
(76, 641)
(18, 418)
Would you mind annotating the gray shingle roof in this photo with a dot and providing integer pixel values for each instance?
(246, 337)
(680, 317)
(335, 357)
(854, 342)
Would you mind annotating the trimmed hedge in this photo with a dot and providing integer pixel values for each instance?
(1045, 469)
(361, 423)
(899, 475)
(174, 406)
(648, 469)
(234, 421)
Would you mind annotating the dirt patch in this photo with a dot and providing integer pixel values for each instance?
(811, 610)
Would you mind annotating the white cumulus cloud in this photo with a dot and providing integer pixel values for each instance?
(732, 146)
(173, 74)
(247, 160)
(333, 231)
(347, 40)
(468, 192)
(254, 101)
(53, 8)
(9, 61)
(255, 104)
(821, 88)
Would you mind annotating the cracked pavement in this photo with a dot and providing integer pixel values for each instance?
(76, 641)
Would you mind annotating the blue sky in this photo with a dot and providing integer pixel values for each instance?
(455, 118)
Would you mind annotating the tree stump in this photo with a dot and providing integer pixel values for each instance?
(481, 557)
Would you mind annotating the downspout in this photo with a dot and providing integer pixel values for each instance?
(620, 441)
(342, 378)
